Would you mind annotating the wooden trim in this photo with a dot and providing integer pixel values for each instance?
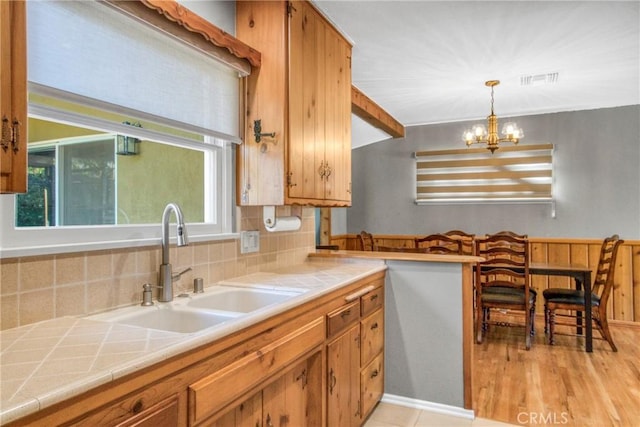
(624, 324)
(175, 19)
(365, 108)
(467, 334)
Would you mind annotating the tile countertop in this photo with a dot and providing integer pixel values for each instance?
(47, 362)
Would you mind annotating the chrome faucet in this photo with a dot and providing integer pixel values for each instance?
(165, 293)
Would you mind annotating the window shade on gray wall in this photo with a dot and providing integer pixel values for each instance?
(74, 44)
(516, 173)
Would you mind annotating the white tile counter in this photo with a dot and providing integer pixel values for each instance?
(47, 362)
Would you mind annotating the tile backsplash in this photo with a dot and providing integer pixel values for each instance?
(38, 288)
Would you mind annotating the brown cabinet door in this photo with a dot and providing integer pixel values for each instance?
(13, 97)
(247, 414)
(343, 382)
(372, 331)
(337, 117)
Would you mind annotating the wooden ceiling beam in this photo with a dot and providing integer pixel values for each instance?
(365, 108)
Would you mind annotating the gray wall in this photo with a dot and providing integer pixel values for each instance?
(597, 180)
(423, 332)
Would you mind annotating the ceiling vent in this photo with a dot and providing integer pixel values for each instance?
(539, 79)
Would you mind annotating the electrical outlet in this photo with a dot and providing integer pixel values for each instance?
(249, 241)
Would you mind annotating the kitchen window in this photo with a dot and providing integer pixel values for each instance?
(92, 72)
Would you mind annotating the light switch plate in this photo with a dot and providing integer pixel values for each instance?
(249, 241)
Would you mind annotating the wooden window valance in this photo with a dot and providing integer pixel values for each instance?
(515, 173)
(175, 19)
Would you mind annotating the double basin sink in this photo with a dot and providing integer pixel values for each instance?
(195, 312)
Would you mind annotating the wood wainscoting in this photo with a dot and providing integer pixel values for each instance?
(624, 304)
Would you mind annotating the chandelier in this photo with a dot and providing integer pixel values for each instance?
(478, 134)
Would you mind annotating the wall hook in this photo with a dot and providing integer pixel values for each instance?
(257, 131)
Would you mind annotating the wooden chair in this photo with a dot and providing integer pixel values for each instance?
(367, 243)
(468, 246)
(503, 282)
(511, 234)
(574, 300)
(439, 244)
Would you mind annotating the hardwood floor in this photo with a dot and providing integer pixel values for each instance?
(560, 384)
(547, 385)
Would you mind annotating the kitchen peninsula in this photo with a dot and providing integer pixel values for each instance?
(131, 372)
(428, 329)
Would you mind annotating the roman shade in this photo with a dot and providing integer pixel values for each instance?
(517, 173)
(72, 45)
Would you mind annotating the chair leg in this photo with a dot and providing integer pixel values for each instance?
(532, 315)
(606, 334)
(546, 319)
(479, 323)
(552, 319)
(527, 331)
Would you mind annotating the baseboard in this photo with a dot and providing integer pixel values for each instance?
(624, 323)
(428, 406)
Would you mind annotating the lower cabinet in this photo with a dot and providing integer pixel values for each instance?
(211, 395)
(343, 376)
(355, 360)
(287, 401)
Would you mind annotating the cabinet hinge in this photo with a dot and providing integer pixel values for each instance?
(289, 180)
(7, 133)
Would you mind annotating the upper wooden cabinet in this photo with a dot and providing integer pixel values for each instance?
(301, 96)
(13, 97)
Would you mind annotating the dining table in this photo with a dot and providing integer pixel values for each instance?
(582, 277)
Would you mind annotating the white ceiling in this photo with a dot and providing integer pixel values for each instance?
(426, 62)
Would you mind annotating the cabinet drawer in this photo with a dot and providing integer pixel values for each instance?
(372, 301)
(372, 333)
(214, 392)
(341, 318)
(372, 384)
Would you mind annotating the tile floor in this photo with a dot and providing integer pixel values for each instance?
(388, 415)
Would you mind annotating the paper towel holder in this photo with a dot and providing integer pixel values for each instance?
(287, 223)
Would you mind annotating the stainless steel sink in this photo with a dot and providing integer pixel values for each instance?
(243, 300)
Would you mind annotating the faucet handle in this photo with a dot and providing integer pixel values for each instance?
(176, 276)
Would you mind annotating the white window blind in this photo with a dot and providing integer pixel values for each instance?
(71, 48)
(516, 173)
